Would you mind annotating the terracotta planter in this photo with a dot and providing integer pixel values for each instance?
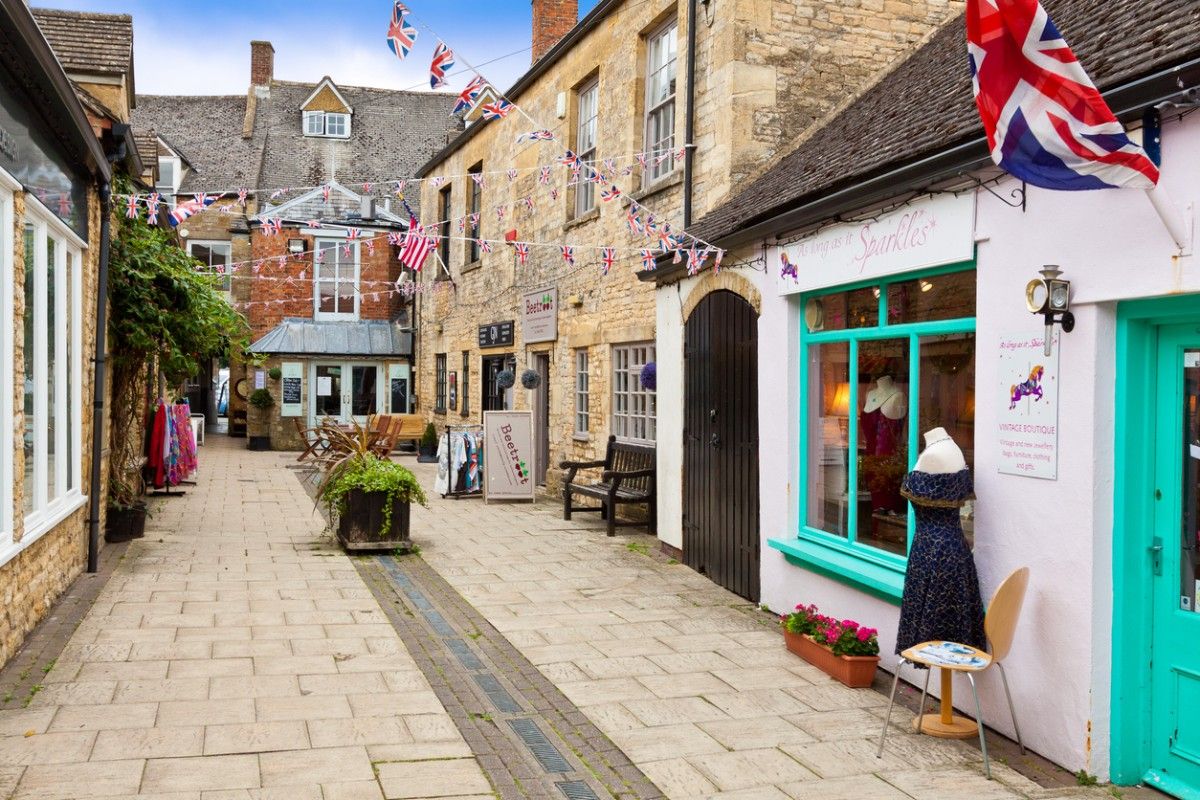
(359, 528)
(857, 672)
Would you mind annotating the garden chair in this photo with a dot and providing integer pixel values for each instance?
(1000, 625)
(315, 445)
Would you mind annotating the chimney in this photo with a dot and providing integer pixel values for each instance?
(262, 64)
(552, 19)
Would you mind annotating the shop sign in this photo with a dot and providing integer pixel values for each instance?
(940, 230)
(292, 389)
(539, 316)
(498, 334)
(508, 454)
(1028, 392)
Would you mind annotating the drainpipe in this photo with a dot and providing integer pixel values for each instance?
(100, 360)
(689, 125)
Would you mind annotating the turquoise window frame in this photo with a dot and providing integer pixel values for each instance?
(843, 559)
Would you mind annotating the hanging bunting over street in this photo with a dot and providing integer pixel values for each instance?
(496, 110)
(522, 252)
(536, 136)
(189, 208)
(608, 257)
(468, 96)
(417, 246)
(401, 36)
(443, 61)
(568, 254)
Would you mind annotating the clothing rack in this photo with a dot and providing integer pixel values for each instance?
(452, 482)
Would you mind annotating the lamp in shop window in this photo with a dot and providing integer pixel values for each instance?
(840, 408)
(1051, 298)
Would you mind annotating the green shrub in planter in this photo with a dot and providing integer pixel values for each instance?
(371, 475)
(275, 373)
(261, 399)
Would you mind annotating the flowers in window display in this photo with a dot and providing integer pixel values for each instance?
(649, 376)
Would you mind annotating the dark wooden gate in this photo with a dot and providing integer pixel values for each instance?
(720, 443)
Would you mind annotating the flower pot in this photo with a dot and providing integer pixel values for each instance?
(857, 672)
(427, 454)
(124, 524)
(360, 525)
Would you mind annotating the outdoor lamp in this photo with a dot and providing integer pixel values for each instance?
(1051, 298)
(295, 246)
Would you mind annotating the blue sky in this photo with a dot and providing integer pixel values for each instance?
(202, 46)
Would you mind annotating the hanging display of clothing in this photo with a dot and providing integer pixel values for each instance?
(171, 446)
(460, 462)
(941, 599)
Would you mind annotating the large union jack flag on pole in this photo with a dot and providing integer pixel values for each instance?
(401, 36)
(1046, 122)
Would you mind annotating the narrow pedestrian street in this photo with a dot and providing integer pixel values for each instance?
(237, 653)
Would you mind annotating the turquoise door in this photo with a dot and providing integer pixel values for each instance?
(1174, 705)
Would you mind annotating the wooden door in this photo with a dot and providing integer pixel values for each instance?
(542, 414)
(720, 466)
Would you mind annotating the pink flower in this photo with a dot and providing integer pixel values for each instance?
(851, 624)
(864, 634)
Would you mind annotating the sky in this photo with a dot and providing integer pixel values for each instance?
(203, 47)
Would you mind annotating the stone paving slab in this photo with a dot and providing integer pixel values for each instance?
(233, 653)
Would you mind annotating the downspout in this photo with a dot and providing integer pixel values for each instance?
(689, 124)
(100, 360)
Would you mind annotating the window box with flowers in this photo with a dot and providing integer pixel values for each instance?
(842, 649)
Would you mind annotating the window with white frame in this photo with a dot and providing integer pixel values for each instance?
(634, 410)
(660, 102)
(7, 360)
(327, 123)
(335, 279)
(170, 175)
(53, 377)
(582, 395)
(215, 258)
(588, 110)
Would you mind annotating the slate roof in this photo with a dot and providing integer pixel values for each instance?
(89, 42)
(392, 134)
(374, 338)
(925, 105)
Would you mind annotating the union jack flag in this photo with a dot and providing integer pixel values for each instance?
(608, 257)
(152, 208)
(131, 207)
(353, 233)
(325, 193)
(395, 239)
(189, 208)
(475, 221)
(696, 259)
(610, 194)
(370, 245)
(649, 260)
(576, 168)
(595, 176)
(401, 36)
(443, 60)
(554, 194)
(522, 252)
(501, 211)
(536, 136)
(484, 245)
(544, 176)
(399, 190)
(568, 254)
(242, 194)
(641, 159)
(468, 96)
(634, 221)
(1046, 122)
(567, 158)
(437, 181)
(367, 187)
(417, 246)
(497, 110)
(527, 201)
(478, 178)
(272, 227)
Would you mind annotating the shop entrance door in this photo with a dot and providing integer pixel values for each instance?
(541, 363)
(346, 392)
(494, 395)
(1175, 659)
(720, 443)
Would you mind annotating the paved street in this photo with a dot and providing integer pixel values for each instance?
(235, 653)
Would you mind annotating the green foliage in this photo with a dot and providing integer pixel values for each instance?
(844, 637)
(429, 438)
(275, 373)
(1084, 778)
(261, 399)
(369, 473)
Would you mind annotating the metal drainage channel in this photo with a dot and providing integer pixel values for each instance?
(534, 742)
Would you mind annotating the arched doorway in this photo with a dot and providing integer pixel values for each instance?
(720, 443)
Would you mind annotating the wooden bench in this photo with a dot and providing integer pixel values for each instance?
(627, 478)
(396, 428)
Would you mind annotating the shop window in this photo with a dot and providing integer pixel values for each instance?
(440, 376)
(881, 364)
(634, 409)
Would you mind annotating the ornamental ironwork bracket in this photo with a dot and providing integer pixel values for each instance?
(1016, 198)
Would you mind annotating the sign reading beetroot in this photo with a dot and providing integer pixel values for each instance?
(539, 316)
(940, 230)
(1027, 396)
(508, 454)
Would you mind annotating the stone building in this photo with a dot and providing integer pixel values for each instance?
(611, 86)
(306, 153)
(59, 133)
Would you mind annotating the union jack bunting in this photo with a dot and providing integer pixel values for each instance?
(395, 239)
(554, 194)
(567, 158)
(576, 168)
(417, 246)
(1046, 122)
(437, 181)
(462, 224)
(696, 260)
(608, 257)
(544, 177)
(370, 243)
(152, 208)
(319, 256)
(399, 190)
(131, 207)
(401, 36)
(501, 212)
(484, 245)
(443, 61)
(717, 261)
(512, 175)
(313, 223)
(278, 193)
(468, 96)
(475, 221)
(649, 260)
(325, 193)
(528, 203)
(190, 208)
(628, 170)
(681, 154)
(536, 136)
(497, 110)
(478, 178)
(367, 187)
(272, 227)
(634, 221)
(641, 159)
(610, 194)
(595, 176)
(522, 252)
(568, 254)
(678, 257)
(610, 165)
(282, 261)
(242, 194)
(353, 233)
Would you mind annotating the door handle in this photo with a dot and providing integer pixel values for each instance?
(715, 441)
(1156, 554)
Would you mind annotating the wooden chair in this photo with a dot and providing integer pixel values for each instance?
(315, 444)
(1000, 625)
(388, 430)
(628, 477)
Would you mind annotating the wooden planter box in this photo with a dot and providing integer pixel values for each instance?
(359, 527)
(857, 672)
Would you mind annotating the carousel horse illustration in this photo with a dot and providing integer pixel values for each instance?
(1030, 388)
(789, 269)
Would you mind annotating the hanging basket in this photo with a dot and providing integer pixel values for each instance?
(505, 378)
(530, 379)
(649, 376)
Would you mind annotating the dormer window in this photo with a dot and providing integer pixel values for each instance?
(330, 124)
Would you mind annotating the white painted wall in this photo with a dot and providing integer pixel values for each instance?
(1112, 245)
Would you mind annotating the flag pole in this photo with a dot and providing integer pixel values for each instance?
(1177, 225)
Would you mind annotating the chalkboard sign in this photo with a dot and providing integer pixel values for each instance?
(291, 390)
(498, 334)
(292, 385)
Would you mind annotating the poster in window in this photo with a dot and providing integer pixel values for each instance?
(1028, 392)
(508, 454)
(292, 390)
(453, 391)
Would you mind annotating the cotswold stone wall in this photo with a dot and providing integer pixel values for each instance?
(766, 70)
(32, 581)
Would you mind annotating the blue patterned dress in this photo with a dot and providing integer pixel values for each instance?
(941, 589)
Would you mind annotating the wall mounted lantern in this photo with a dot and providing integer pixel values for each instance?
(296, 246)
(1051, 298)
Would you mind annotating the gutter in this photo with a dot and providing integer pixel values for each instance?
(1127, 100)
(100, 359)
(689, 125)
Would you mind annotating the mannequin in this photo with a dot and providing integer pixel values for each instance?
(941, 455)
(888, 398)
(882, 445)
